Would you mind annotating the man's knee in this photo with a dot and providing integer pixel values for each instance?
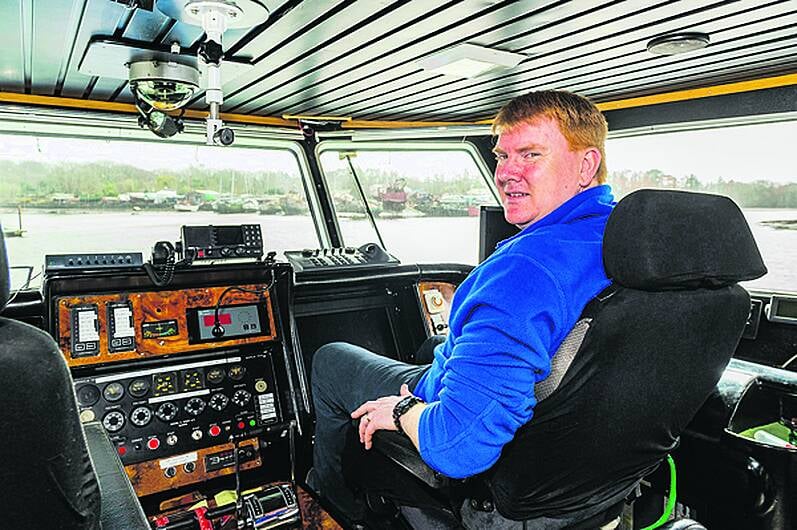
(325, 359)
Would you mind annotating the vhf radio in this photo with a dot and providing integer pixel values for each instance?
(222, 242)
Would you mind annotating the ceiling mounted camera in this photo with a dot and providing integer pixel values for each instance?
(164, 86)
(159, 87)
(160, 123)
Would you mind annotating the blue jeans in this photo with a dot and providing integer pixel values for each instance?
(345, 376)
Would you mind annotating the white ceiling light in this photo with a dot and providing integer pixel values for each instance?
(469, 60)
(677, 43)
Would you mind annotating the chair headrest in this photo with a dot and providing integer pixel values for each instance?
(5, 272)
(667, 239)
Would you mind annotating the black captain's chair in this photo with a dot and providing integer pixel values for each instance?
(55, 473)
(643, 358)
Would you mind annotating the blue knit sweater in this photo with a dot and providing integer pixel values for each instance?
(507, 319)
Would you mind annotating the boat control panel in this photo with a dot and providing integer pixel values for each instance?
(179, 375)
(317, 260)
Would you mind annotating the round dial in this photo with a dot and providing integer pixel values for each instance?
(241, 397)
(113, 392)
(87, 395)
(195, 406)
(218, 401)
(138, 387)
(140, 416)
(166, 412)
(237, 372)
(215, 375)
(113, 421)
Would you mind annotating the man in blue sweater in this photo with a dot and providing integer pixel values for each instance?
(507, 318)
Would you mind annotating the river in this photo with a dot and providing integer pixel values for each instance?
(412, 240)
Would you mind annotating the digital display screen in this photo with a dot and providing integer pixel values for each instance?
(237, 321)
(159, 329)
(787, 308)
(229, 235)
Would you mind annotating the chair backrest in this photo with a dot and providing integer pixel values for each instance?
(655, 346)
(46, 475)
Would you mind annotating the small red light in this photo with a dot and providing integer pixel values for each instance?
(122, 450)
(241, 425)
(215, 430)
(153, 443)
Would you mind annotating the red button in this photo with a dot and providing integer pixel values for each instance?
(153, 443)
(215, 430)
(241, 425)
(122, 450)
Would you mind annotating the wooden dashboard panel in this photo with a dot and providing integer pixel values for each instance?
(435, 300)
(150, 476)
(157, 306)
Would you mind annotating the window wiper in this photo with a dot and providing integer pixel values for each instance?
(365, 200)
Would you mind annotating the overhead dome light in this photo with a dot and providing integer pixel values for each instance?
(676, 43)
(163, 85)
(469, 60)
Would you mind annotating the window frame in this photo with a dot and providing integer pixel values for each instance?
(399, 146)
(58, 123)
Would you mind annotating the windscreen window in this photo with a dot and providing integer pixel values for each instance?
(79, 195)
(749, 163)
(425, 202)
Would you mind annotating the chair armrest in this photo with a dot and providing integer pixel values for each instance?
(400, 450)
(120, 509)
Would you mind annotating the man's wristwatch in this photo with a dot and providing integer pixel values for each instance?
(402, 407)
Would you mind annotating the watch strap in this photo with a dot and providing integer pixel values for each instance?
(402, 407)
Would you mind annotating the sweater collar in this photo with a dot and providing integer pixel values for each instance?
(587, 203)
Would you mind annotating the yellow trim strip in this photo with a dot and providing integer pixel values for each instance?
(696, 93)
(368, 124)
(315, 118)
(89, 104)
(668, 97)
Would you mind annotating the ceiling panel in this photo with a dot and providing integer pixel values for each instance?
(571, 73)
(358, 57)
(561, 47)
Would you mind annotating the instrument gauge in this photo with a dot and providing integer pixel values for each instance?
(88, 395)
(113, 392)
(139, 387)
(215, 375)
(113, 421)
(218, 401)
(140, 416)
(237, 372)
(241, 397)
(166, 412)
(192, 380)
(195, 406)
(165, 383)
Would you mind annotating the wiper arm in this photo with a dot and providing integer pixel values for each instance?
(365, 200)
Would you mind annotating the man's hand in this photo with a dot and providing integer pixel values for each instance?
(378, 415)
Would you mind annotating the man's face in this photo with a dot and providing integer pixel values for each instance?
(537, 171)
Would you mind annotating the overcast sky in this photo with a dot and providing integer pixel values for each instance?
(747, 153)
